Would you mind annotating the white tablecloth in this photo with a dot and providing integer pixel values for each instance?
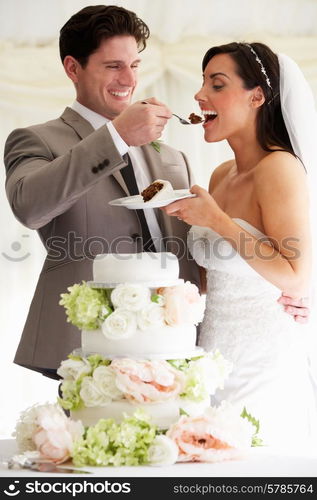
(261, 463)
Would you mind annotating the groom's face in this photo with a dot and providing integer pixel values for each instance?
(107, 82)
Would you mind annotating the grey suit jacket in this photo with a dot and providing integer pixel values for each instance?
(60, 177)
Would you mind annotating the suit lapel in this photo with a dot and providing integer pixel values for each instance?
(117, 175)
(81, 126)
(157, 169)
(153, 161)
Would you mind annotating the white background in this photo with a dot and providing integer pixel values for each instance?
(34, 88)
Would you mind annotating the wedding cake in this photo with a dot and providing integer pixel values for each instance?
(138, 390)
(139, 320)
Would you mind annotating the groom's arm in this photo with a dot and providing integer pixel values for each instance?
(298, 308)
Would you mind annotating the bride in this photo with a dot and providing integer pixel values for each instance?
(251, 236)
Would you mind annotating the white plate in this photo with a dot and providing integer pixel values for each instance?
(136, 202)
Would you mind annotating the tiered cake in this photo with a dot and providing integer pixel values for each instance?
(138, 389)
(138, 342)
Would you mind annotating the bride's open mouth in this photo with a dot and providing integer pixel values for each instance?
(209, 115)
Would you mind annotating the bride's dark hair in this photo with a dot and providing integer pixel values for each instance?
(271, 129)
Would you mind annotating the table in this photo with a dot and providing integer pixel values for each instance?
(260, 463)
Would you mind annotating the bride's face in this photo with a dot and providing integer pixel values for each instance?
(228, 106)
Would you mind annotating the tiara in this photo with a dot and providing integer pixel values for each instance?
(258, 60)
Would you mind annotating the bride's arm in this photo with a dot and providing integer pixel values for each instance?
(281, 190)
(282, 193)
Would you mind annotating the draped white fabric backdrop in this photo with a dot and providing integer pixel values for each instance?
(34, 88)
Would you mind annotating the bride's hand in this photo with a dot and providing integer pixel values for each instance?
(199, 211)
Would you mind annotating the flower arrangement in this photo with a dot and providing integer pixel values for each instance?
(85, 307)
(96, 381)
(120, 311)
(219, 434)
(131, 442)
(47, 430)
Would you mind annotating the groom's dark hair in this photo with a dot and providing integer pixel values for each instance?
(85, 30)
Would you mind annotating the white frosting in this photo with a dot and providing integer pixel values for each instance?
(160, 267)
(162, 414)
(165, 193)
(167, 340)
(155, 342)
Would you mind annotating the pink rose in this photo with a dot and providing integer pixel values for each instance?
(183, 304)
(55, 434)
(219, 434)
(147, 381)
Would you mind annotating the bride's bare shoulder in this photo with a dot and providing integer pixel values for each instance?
(219, 173)
(281, 175)
(279, 165)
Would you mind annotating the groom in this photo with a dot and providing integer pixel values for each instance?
(62, 174)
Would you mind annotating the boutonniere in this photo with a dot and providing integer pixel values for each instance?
(156, 145)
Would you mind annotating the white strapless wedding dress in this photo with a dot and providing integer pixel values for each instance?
(243, 319)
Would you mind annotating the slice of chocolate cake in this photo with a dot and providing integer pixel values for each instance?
(159, 189)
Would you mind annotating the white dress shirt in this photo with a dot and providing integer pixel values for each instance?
(138, 163)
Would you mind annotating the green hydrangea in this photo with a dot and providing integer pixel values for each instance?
(195, 386)
(108, 443)
(86, 307)
(71, 398)
(71, 388)
(96, 360)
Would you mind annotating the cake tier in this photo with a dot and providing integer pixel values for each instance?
(160, 268)
(162, 414)
(177, 341)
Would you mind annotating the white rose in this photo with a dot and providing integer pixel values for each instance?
(196, 311)
(121, 324)
(91, 394)
(163, 451)
(105, 379)
(151, 316)
(25, 428)
(215, 369)
(130, 297)
(72, 369)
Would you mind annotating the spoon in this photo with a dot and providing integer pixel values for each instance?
(182, 120)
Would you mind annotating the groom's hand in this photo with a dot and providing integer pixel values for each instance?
(142, 122)
(298, 308)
